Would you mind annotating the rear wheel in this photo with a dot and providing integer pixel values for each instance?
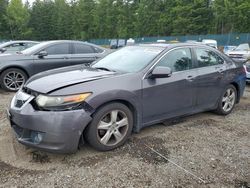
(111, 126)
(12, 79)
(227, 100)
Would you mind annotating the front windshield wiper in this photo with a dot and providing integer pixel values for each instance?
(104, 68)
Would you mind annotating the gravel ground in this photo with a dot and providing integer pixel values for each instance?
(214, 148)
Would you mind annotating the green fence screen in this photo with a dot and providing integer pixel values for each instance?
(223, 40)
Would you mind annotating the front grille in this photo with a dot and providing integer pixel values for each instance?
(20, 99)
(27, 135)
(236, 55)
(19, 103)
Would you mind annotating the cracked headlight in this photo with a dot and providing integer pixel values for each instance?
(60, 102)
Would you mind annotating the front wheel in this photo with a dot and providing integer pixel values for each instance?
(227, 101)
(111, 126)
(12, 79)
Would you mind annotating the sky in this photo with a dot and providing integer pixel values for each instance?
(30, 1)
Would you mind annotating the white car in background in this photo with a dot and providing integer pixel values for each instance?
(16, 46)
(241, 52)
(210, 42)
(247, 69)
(228, 49)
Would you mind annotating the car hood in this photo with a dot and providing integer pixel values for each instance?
(238, 52)
(13, 57)
(52, 80)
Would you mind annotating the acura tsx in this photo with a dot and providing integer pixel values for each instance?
(132, 88)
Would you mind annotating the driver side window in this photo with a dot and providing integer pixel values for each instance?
(58, 49)
(177, 60)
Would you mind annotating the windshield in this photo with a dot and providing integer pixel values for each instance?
(33, 49)
(242, 47)
(129, 59)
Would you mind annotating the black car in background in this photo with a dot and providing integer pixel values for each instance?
(15, 69)
(16, 46)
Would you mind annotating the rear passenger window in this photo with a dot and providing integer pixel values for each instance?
(177, 60)
(58, 49)
(83, 49)
(207, 58)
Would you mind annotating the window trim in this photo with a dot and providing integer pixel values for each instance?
(196, 65)
(145, 76)
(74, 49)
(44, 49)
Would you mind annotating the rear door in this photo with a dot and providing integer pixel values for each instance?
(58, 56)
(169, 97)
(211, 77)
(82, 54)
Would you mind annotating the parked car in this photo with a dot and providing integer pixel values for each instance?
(117, 43)
(210, 42)
(241, 52)
(161, 41)
(127, 90)
(16, 46)
(130, 42)
(228, 49)
(16, 69)
(247, 69)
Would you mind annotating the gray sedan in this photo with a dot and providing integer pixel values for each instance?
(17, 68)
(16, 46)
(125, 91)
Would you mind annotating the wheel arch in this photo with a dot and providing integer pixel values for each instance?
(237, 87)
(134, 109)
(15, 67)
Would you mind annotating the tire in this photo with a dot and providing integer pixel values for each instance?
(19, 76)
(111, 126)
(228, 98)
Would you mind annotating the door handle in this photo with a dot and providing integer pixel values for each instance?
(190, 78)
(221, 71)
(65, 57)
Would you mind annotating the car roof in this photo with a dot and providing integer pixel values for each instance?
(171, 45)
(17, 41)
(37, 47)
(70, 41)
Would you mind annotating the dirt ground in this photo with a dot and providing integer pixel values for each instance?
(214, 148)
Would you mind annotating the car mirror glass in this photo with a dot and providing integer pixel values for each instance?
(161, 72)
(42, 54)
(3, 50)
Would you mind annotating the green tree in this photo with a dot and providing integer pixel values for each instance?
(191, 17)
(17, 18)
(3, 24)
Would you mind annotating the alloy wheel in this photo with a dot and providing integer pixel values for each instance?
(112, 127)
(228, 100)
(13, 80)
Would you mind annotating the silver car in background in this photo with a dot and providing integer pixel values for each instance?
(16, 46)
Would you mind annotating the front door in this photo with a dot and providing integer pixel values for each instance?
(169, 97)
(58, 56)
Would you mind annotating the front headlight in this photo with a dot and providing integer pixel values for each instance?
(60, 102)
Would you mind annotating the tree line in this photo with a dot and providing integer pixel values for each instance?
(93, 19)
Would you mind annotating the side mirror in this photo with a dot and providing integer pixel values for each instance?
(161, 72)
(2, 50)
(42, 54)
